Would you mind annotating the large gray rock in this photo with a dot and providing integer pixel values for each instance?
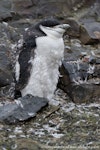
(21, 109)
(80, 74)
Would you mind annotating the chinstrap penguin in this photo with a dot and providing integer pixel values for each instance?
(37, 68)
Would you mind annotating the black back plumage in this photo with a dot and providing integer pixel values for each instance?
(24, 57)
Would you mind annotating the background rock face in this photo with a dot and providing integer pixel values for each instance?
(44, 8)
(38, 8)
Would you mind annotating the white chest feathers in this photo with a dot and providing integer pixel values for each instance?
(45, 67)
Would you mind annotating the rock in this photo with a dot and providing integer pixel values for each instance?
(34, 8)
(83, 93)
(5, 10)
(88, 33)
(80, 75)
(20, 9)
(64, 79)
(9, 34)
(74, 30)
(8, 41)
(90, 24)
(21, 109)
(5, 77)
(92, 14)
(40, 9)
(27, 144)
(6, 74)
(78, 84)
(5, 71)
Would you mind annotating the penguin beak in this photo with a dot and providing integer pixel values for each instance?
(63, 26)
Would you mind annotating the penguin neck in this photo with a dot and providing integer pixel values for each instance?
(52, 32)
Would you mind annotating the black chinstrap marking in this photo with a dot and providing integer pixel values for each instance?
(47, 23)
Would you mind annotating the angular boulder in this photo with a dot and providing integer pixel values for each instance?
(21, 109)
(80, 74)
(73, 83)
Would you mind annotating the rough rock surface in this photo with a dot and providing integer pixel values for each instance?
(21, 109)
(80, 75)
(8, 39)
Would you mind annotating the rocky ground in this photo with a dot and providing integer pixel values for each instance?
(62, 125)
(71, 119)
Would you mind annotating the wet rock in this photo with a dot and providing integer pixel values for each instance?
(21, 109)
